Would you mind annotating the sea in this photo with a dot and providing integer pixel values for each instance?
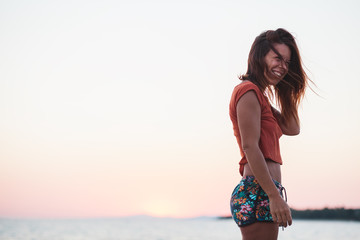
(150, 228)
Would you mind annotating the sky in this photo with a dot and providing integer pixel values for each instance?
(119, 108)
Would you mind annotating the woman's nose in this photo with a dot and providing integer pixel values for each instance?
(284, 65)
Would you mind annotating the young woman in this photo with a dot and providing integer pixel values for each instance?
(274, 71)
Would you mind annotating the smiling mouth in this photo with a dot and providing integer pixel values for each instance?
(278, 74)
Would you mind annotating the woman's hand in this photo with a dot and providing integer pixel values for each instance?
(280, 211)
(291, 127)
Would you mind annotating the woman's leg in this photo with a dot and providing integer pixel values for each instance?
(260, 231)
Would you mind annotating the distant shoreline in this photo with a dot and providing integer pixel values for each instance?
(322, 214)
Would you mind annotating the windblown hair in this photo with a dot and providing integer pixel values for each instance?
(291, 89)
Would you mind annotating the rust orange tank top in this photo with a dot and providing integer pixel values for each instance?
(270, 129)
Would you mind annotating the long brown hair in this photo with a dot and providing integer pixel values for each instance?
(291, 89)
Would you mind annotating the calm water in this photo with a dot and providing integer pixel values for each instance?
(146, 228)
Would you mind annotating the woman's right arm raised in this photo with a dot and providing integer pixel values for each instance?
(248, 112)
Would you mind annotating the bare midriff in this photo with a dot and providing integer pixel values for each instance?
(274, 170)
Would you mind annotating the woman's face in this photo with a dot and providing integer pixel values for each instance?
(277, 66)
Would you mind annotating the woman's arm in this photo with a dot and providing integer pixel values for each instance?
(290, 127)
(249, 119)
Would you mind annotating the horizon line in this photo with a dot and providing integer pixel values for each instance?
(150, 216)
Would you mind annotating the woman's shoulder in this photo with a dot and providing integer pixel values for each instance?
(246, 86)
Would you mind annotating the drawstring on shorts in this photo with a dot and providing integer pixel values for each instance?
(281, 191)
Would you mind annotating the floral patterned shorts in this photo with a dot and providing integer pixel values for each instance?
(249, 203)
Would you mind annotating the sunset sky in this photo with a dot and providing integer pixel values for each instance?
(117, 108)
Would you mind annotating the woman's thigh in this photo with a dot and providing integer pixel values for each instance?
(260, 230)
